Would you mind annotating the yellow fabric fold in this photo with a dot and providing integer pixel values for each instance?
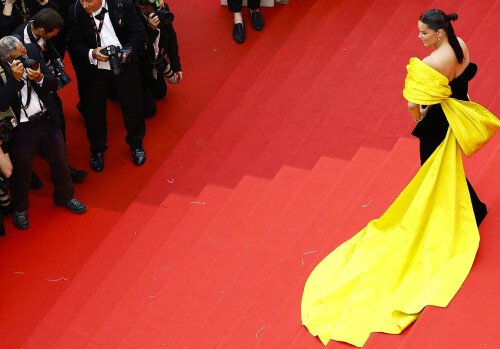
(422, 248)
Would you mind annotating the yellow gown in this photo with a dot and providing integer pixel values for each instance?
(422, 248)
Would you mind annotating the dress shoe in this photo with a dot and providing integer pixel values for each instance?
(75, 206)
(35, 183)
(239, 32)
(139, 156)
(97, 162)
(20, 220)
(77, 175)
(257, 20)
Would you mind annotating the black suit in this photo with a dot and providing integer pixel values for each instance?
(29, 137)
(94, 85)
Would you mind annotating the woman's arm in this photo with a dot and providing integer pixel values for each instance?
(414, 111)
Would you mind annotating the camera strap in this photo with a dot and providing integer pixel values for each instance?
(25, 11)
(100, 18)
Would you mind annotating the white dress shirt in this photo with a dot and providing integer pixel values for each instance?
(107, 35)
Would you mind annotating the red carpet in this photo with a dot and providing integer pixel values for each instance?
(267, 157)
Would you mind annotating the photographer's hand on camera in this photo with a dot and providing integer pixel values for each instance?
(96, 53)
(17, 70)
(34, 75)
(153, 21)
(178, 76)
(7, 7)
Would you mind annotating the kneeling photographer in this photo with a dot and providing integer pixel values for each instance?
(160, 56)
(28, 93)
(40, 30)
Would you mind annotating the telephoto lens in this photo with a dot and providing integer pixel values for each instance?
(28, 62)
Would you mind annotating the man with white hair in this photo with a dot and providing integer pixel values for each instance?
(27, 92)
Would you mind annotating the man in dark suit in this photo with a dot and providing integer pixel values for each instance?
(94, 25)
(40, 30)
(27, 92)
(161, 44)
(15, 12)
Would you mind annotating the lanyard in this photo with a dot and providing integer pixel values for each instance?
(99, 17)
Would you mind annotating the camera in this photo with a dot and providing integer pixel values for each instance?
(28, 62)
(163, 66)
(164, 15)
(117, 56)
(56, 67)
(6, 126)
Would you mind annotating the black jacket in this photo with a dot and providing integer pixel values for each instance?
(9, 96)
(82, 35)
(167, 42)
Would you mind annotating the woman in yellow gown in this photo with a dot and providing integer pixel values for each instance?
(422, 248)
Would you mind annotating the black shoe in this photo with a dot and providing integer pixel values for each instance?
(139, 156)
(77, 175)
(20, 220)
(97, 162)
(239, 32)
(257, 20)
(75, 206)
(36, 183)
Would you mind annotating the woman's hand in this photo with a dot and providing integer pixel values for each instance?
(423, 111)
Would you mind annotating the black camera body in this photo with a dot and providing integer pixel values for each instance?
(56, 67)
(117, 57)
(164, 15)
(28, 62)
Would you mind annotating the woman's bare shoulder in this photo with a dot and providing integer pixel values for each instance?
(432, 62)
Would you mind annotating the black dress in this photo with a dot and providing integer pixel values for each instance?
(433, 128)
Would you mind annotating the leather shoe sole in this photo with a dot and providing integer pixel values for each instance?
(97, 162)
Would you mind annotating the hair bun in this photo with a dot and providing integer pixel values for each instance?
(452, 16)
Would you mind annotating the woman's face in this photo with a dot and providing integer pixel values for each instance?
(428, 36)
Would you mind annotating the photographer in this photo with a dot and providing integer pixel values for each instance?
(101, 35)
(44, 26)
(16, 12)
(160, 56)
(27, 92)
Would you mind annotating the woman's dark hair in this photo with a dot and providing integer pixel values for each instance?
(437, 19)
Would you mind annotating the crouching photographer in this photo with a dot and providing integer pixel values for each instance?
(27, 92)
(160, 60)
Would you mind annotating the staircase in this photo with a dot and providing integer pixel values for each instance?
(304, 142)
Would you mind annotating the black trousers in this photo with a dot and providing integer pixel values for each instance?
(235, 5)
(29, 138)
(427, 147)
(151, 89)
(93, 96)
